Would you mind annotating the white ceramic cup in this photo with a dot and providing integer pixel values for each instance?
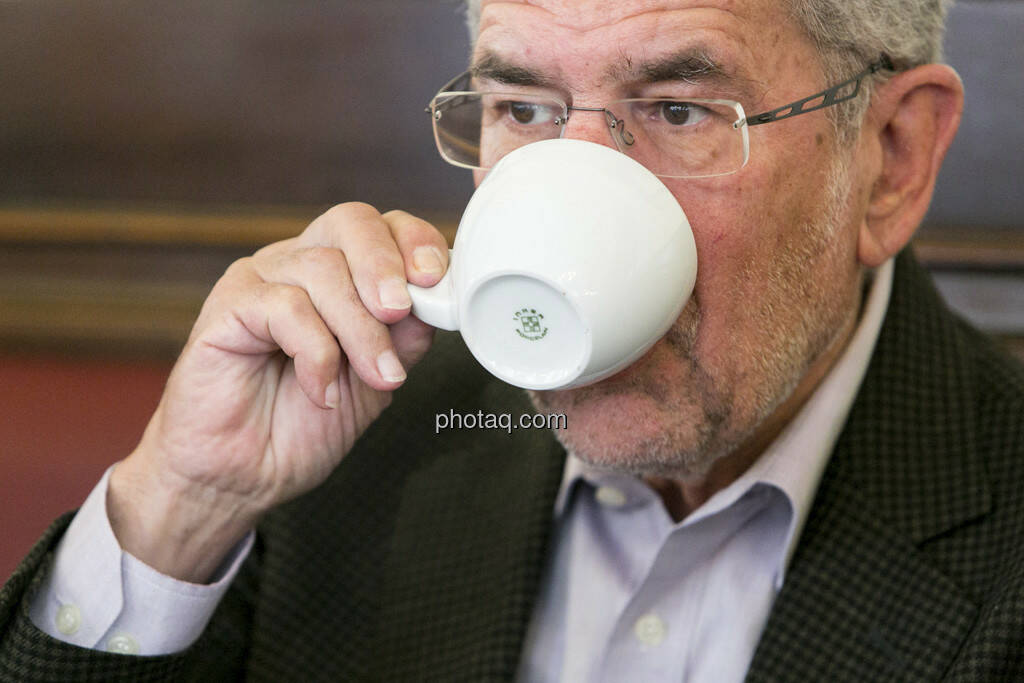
(571, 260)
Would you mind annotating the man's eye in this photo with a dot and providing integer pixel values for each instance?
(529, 113)
(682, 113)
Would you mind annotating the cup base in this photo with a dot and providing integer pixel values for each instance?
(527, 332)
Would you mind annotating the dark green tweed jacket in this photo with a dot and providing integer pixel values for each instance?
(420, 558)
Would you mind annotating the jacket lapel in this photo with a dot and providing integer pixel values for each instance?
(861, 600)
(469, 555)
(860, 604)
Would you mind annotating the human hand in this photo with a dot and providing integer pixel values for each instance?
(295, 352)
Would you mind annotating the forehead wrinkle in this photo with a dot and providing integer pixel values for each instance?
(569, 14)
(719, 30)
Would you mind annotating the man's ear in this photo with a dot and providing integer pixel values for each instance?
(914, 117)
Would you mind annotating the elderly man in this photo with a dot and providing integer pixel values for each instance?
(814, 475)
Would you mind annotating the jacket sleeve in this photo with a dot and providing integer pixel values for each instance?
(27, 654)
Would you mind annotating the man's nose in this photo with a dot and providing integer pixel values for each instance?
(589, 125)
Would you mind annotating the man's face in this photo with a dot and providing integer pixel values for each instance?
(777, 278)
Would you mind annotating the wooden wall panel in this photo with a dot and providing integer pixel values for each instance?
(233, 101)
(250, 101)
(146, 144)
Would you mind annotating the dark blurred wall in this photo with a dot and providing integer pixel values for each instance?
(981, 182)
(227, 101)
(264, 101)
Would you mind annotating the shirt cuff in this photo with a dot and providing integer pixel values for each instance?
(98, 596)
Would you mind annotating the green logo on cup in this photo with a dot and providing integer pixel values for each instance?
(530, 326)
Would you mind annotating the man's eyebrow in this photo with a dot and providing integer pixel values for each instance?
(494, 68)
(694, 65)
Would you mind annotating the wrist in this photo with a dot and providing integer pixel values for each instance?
(179, 529)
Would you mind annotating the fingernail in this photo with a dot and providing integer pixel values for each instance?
(389, 367)
(332, 397)
(394, 295)
(427, 260)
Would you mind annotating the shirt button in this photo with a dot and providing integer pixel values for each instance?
(610, 496)
(123, 644)
(650, 629)
(69, 618)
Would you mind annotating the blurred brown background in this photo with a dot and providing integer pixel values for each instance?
(145, 145)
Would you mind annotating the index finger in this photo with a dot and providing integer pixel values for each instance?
(424, 249)
(374, 261)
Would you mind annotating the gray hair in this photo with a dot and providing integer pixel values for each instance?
(849, 35)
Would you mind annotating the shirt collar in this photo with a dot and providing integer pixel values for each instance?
(795, 460)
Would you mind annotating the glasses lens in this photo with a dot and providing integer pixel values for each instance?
(679, 138)
(477, 129)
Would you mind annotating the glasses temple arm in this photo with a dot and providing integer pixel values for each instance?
(830, 96)
(451, 86)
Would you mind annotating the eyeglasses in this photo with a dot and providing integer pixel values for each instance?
(684, 138)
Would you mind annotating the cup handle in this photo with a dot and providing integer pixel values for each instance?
(436, 305)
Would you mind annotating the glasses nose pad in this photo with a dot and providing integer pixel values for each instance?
(581, 124)
(620, 133)
(624, 135)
